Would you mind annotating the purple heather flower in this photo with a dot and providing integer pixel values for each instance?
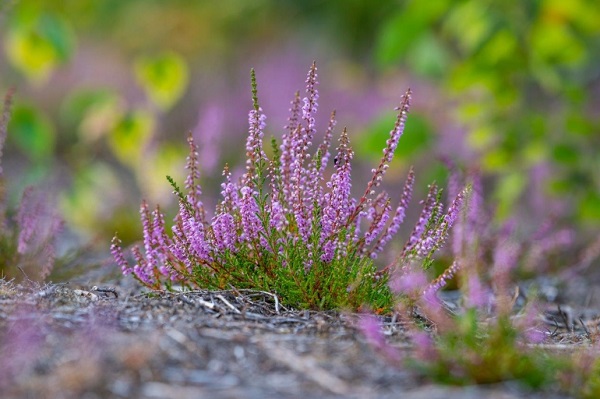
(426, 213)
(435, 239)
(399, 214)
(229, 192)
(196, 235)
(20, 344)
(388, 153)
(300, 182)
(424, 345)
(148, 233)
(432, 305)
(180, 245)
(337, 201)
(506, 256)
(192, 181)
(223, 226)
(142, 270)
(277, 216)
(287, 149)
(408, 281)
(379, 219)
(532, 331)
(309, 109)
(251, 225)
(370, 327)
(254, 143)
(442, 280)
(294, 118)
(476, 295)
(328, 250)
(117, 253)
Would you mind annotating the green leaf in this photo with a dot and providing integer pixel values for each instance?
(554, 43)
(508, 191)
(401, 31)
(565, 154)
(470, 23)
(428, 57)
(39, 44)
(589, 208)
(164, 78)
(32, 132)
(130, 137)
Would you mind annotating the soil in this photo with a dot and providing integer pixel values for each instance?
(85, 340)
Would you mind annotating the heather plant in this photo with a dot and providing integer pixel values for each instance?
(288, 225)
(26, 240)
(495, 332)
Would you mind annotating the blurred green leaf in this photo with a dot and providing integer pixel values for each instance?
(496, 160)
(428, 57)
(130, 137)
(553, 42)
(32, 132)
(403, 30)
(164, 78)
(565, 154)
(589, 208)
(470, 22)
(37, 45)
(509, 189)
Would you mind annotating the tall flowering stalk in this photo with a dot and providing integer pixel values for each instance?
(285, 226)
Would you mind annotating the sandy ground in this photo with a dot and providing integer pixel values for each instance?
(109, 341)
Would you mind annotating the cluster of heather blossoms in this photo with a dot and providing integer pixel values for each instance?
(26, 241)
(287, 226)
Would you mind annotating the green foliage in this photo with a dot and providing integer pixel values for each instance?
(591, 384)
(344, 283)
(520, 72)
(130, 136)
(32, 133)
(477, 353)
(38, 42)
(163, 78)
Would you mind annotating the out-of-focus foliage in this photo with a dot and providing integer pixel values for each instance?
(32, 133)
(523, 73)
(37, 42)
(164, 78)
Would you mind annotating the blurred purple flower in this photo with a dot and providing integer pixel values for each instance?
(370, 327)
(409, 282)
(476, 294)
(424, 346)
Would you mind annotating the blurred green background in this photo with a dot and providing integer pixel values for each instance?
(108, 90)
